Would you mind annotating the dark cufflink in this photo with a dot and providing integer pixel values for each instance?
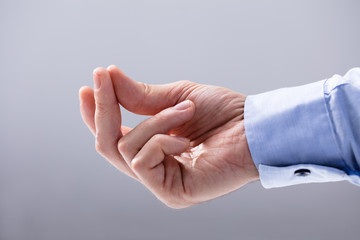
(303, 172)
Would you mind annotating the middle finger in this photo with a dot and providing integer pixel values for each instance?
(161, 123)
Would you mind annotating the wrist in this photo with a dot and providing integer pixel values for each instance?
(249, 165)
(250, 172)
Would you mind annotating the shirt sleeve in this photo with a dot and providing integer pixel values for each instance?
(306, 134)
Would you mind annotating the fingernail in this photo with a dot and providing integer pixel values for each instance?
(183, 105)
(110, 67)
(97, 83)
(185, 140)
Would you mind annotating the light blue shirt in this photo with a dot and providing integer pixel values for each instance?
(306, 134)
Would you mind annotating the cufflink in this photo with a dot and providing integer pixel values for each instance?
(303, 172)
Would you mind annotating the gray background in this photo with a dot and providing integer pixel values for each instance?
(53, 184)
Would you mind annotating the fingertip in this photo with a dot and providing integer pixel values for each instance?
(101, 77)
(83, 91)
(99, 71)
(112, 67)
(193, 108)
(86, 96)
(191, 104)
(87, 106)
(115, 71)
(185, 106)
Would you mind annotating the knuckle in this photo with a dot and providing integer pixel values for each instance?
(136, 164)
(157, 138)
(99, 147)
(122, 146)
(146, 91)
(146, 88)
(185, 82)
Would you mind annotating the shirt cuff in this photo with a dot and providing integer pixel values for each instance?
(272, 177)
(290, 137)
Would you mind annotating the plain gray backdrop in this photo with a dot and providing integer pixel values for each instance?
(53, 184)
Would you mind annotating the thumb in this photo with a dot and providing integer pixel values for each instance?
(146, 99)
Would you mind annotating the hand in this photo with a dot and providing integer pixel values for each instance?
(191, 150)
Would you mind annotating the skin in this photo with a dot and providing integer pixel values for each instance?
(185, 154)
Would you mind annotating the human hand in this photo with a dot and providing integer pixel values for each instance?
(187, 154)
